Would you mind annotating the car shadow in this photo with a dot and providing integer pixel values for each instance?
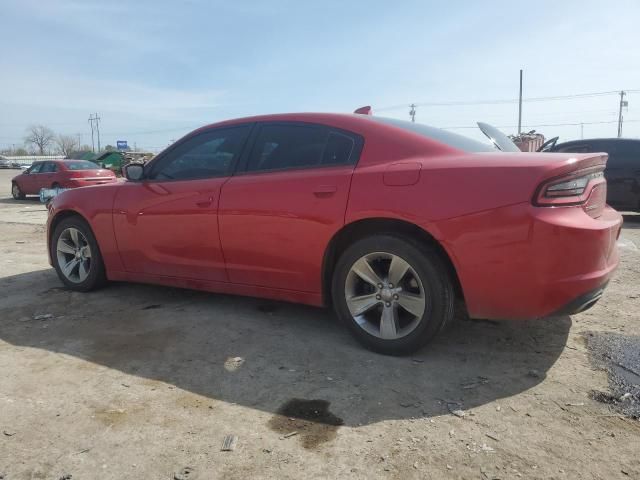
(264, 354)
(30, 200)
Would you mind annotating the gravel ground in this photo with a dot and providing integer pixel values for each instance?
(138, 381)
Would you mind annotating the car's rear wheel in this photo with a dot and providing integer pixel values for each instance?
(393, 294)
(16, 192)
(76, 256)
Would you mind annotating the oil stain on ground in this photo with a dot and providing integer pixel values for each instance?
(310, 420)
(619, 356)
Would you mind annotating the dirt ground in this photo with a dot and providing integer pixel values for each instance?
(145, 382)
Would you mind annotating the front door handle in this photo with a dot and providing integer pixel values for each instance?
(325, 190)
(205, 203)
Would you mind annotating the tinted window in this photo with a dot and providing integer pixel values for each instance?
(574, 148)
(621, 154)
(288, 146)
(443, 136)
(35, 168)
(49, 167)
(338, 149)
(210, 154)
(81, 165)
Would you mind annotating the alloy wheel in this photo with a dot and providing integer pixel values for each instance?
(74, 255)
(385, 295)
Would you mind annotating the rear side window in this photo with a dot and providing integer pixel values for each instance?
(49, 167)
(283, 146)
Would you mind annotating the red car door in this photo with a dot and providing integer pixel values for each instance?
(29, 179)
(167, 224)
(279, 212)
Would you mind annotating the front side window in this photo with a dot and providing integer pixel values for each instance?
(36, 167)
(210, 154)
(281, 147)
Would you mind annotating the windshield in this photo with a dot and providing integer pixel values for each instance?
(499, 139)
(81, 165)
(448, 138)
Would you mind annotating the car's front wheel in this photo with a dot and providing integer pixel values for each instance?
(16, 192)
(76, 256)
(392, 293)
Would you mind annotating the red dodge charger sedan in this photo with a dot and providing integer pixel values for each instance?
(394, 224)
(59, 174)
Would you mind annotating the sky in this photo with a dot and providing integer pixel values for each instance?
(155, 70)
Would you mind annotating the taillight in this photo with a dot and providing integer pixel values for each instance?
(572, 189)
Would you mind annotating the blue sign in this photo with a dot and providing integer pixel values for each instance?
(122, 145)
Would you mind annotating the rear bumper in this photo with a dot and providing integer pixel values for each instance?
(582, 303)
(522, 262)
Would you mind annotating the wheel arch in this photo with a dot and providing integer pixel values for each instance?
(59, 217)
(356, 230)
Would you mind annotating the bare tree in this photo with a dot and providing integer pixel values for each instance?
(66, 144)
(40, 137)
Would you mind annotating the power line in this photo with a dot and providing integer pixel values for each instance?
(540, 125)
(501, 101)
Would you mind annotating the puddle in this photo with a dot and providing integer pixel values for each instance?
(311, 420)
(619, 356)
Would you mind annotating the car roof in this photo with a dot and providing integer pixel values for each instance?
(587, 140)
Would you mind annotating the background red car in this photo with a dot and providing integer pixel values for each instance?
(59, 174)
(392, 223)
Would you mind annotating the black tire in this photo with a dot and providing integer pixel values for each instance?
(436, 284)
(96, 277)
(16, 192)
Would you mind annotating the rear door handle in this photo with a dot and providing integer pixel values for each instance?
(325, 190)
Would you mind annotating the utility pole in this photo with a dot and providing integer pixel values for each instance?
(623, 103)
(412, 112)
(93, 145)
(95, 118)
(520, 106)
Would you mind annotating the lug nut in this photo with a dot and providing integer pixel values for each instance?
(378, 297)
(391, 285)
(395, 297)
(388, 304)
(379, 285)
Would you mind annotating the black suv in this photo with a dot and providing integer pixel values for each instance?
(623, 167)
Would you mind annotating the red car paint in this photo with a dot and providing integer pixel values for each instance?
(267, 234)
(30, 182)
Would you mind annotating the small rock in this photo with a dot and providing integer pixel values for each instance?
(459, 413)
(581, 404)
(44, 316)
(498, 408)
(229, 444)
(486, 448)
(624, 397)
(533, 373)
(449, 467)
(232, 364)
(186, 473)
(290, 434)
(9, 433)
(68, 476)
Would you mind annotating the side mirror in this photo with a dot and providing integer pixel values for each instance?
(134, 171)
